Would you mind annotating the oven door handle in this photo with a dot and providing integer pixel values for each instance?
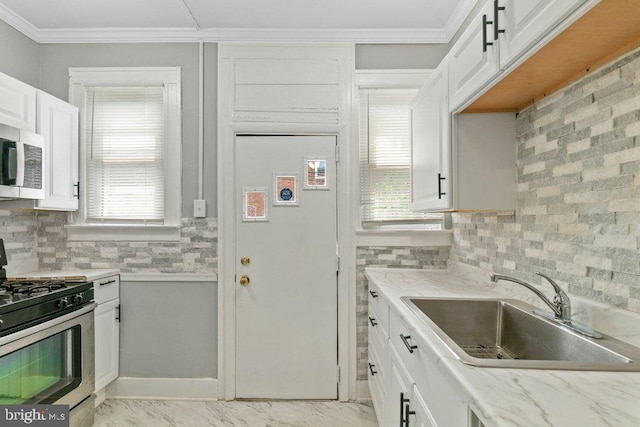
(45, 325)
(20, 164)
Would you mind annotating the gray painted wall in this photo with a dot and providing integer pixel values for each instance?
(169, 330)
(56, 59)
(399, 56)
(20, 55)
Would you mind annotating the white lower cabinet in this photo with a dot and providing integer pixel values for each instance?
(423, 417)
(107, 330)
(107, 338)
(408, 388)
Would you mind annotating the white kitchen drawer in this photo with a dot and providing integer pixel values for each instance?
(450, 409)
(106, 289)
(380, 307)
(377, 383)
(377, 336)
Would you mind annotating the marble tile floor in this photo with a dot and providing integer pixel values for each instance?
(157, 413)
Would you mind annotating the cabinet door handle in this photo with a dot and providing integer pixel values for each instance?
(407, 413)
(118, 314)
(373, 294)
(440, 192)
(373, 321)
(77, 188)
(485, 42)
(496, 27)
(402, 402)
(108, 282)
(407, 344)
(371, 369)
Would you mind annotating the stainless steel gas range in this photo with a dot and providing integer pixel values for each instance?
(47, 345)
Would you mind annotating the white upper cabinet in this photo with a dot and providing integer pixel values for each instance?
(474, 59)
(17, 103)
(525, 22)
(431, 143)
(58, 124)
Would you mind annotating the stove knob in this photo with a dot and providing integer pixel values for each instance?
(76, 299)
(62, 303)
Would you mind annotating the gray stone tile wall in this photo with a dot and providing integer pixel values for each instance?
(197, 246)
(18, 231)
(386, 257)
(578, 211)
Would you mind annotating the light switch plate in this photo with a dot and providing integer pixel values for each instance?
(199, 208)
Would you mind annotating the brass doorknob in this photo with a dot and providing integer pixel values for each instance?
(244, 280)
(245, 260)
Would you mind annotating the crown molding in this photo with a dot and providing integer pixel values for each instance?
(124, 35)
(457, 18)
(19, 23)
(127, 35)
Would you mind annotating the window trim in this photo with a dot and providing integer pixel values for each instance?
(170, 77)
(386, 79)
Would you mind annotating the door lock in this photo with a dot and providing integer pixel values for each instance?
(244, 280)
(245, 260)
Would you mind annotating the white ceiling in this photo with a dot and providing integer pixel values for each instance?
(425, 21)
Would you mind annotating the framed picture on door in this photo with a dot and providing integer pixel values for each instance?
(285, 189)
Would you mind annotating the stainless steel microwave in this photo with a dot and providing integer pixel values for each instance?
(21, 164)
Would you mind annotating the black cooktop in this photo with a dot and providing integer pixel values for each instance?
(24, 302)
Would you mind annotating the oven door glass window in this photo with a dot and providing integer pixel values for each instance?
(43, 371)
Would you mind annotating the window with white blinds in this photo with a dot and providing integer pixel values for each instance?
(385, 152)
(125, 154)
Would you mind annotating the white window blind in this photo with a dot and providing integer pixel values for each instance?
(385, 156)
(125, 154)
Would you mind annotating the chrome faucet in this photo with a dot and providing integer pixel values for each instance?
(561, 305)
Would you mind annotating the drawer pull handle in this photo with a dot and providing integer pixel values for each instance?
(402, 402)
(373, 294)
(371, 369)
(407, 412)
(406, 343)
(108, 282)
(485, 42)
(373, 321)
(440, 192)
(496, 28)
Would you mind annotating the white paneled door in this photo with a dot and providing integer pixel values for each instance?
(286, 267)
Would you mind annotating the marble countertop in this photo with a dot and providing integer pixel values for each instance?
(89, 274)
(513, 397)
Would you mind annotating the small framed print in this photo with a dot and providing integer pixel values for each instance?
(315, 170)
(254, 204)
(285, 189)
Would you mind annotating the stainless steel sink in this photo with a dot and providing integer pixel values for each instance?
(507, 333)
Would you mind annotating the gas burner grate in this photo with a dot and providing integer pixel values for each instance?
(29, 287)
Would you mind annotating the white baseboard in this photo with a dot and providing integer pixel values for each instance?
(362, 391)
(101, 395)
(163, 388)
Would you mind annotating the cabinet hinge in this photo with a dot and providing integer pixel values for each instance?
(338, 373)
(337, 154)
(118, 315)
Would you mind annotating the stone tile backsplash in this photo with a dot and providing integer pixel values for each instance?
(196, 252)
(578, 211)
(386, 257)
(18, 231)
